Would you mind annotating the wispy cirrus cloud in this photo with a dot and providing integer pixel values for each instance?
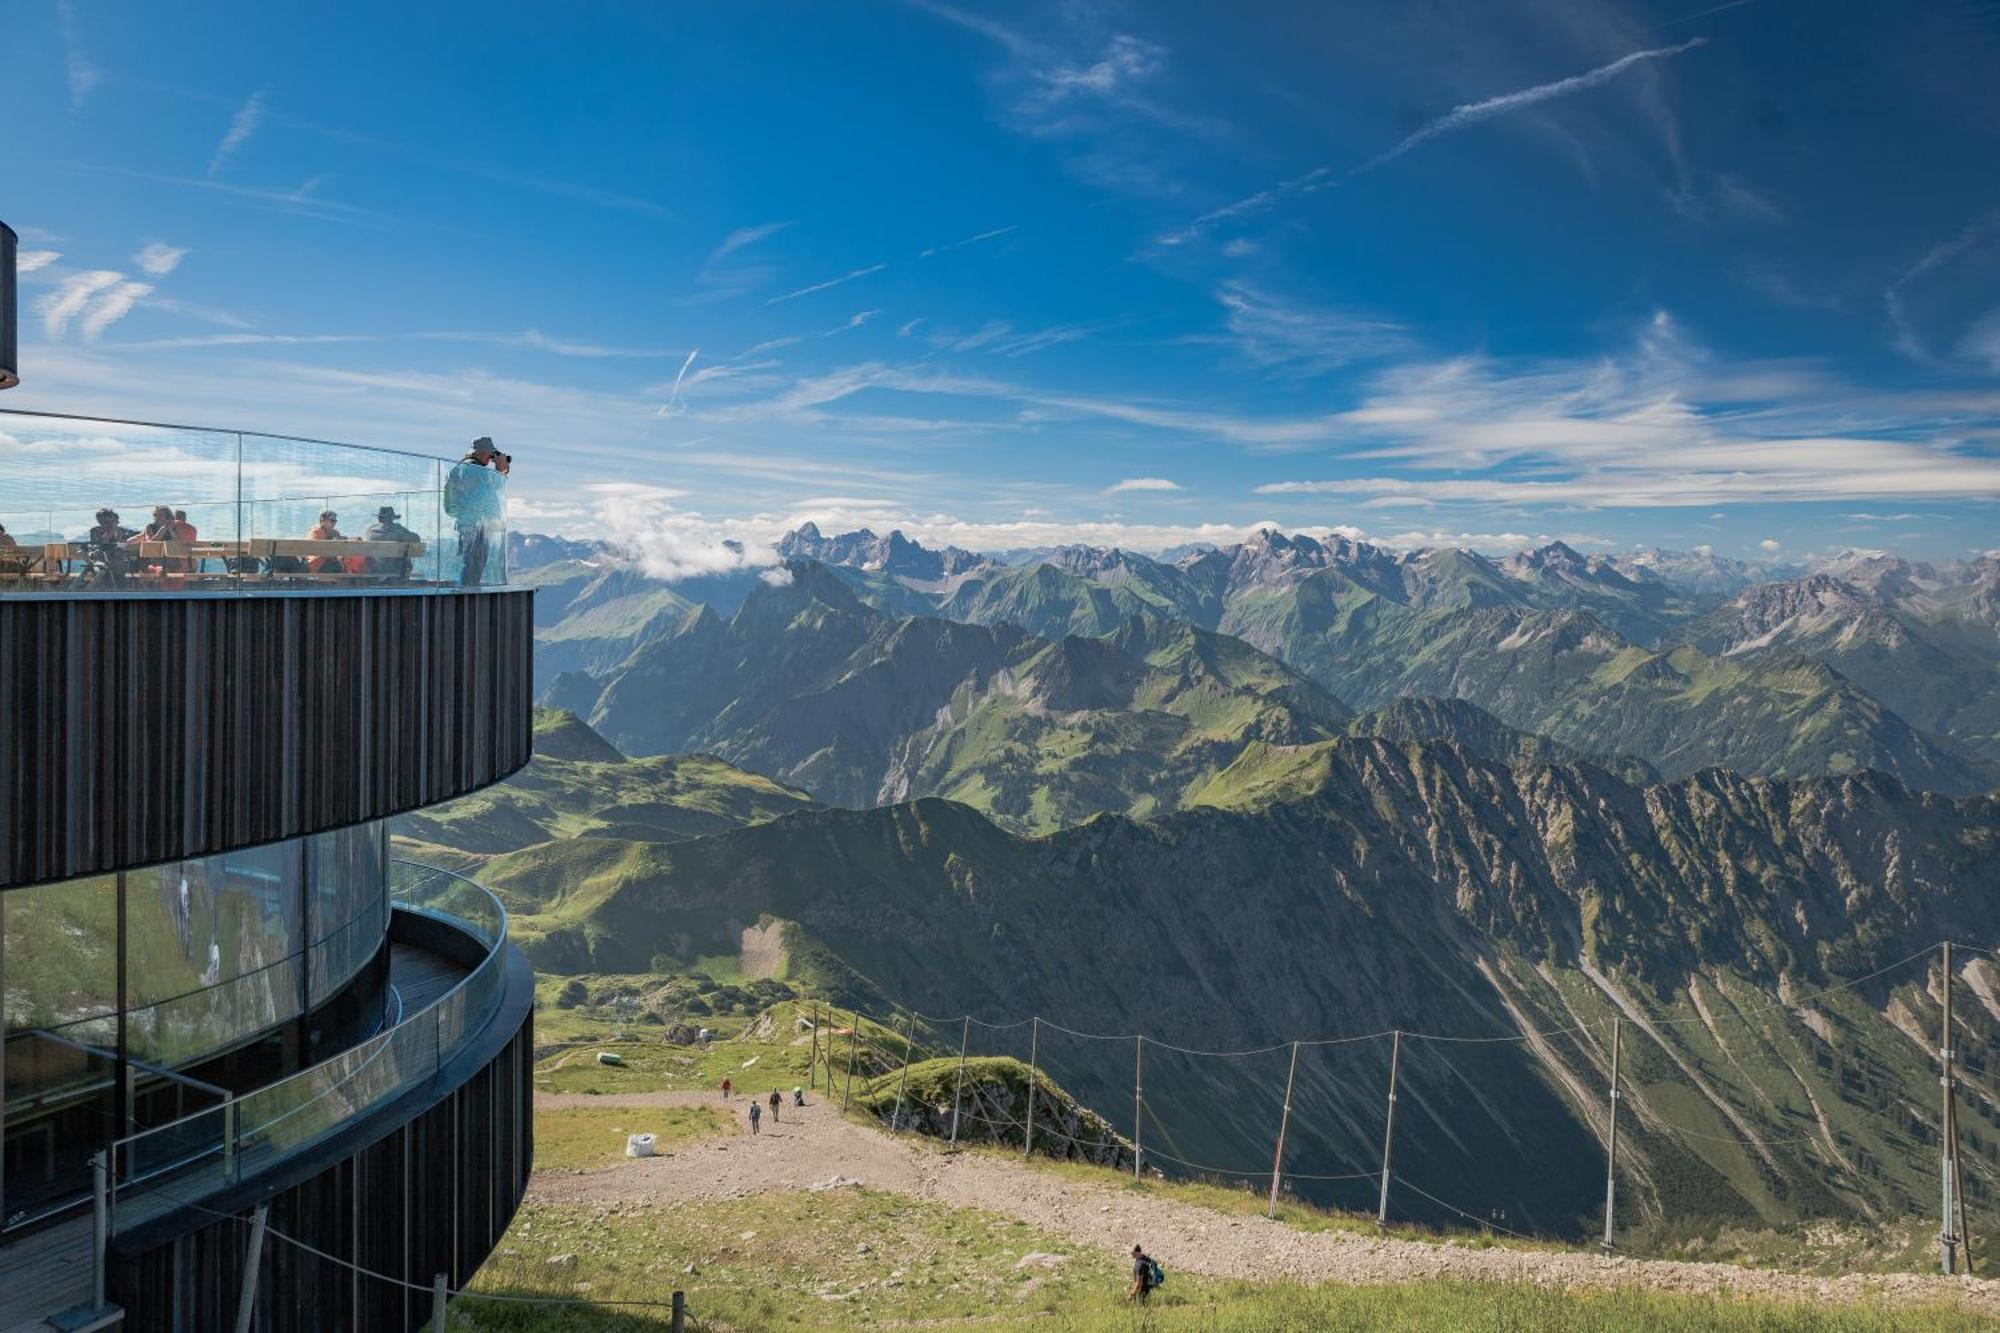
(994, 234)
(84, 75)
(1461, 117)
(27, 261)
(847, 277)
(244, 124)
(1292, 338)
(743, 236)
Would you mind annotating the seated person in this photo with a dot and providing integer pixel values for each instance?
(166, 528)
(388, 527)
(326, 530)
(6, 538)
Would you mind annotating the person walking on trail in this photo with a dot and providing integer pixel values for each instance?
(756, 1114)
(725, 1087)
(776, 1102)
(1146, 1275)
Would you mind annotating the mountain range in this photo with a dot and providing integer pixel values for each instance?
(1603, 657)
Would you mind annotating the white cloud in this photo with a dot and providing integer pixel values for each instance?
(1770, 546)
(158, 260)
(27, 261)
(66, 302)
(114, 305)
(1143, 484)
(241, 127)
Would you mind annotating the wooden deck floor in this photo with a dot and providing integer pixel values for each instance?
(45, 1274)
(420, 977)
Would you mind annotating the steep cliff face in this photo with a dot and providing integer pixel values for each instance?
(1355, 886)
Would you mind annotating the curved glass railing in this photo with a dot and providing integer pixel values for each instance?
(90, 506)
(157, 1171)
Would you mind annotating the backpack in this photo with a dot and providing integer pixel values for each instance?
(1156, 1276)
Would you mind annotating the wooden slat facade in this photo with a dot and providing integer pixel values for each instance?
(147, 729)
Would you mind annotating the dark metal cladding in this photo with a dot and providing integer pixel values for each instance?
(10, 310)
(141, 730)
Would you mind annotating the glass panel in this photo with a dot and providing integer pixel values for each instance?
(61, 952)
(197, 924)
(103, 506)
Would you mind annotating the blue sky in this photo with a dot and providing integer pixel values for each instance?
(1721, 274)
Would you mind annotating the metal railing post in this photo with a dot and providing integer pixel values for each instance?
(437, 1303)
(1284, 1123)
(909, 1040)
(100, 1223)
(1138, 1101)
(1611, 1143)
(1389, 1130)
(253, 1252)
(1034, 1054)
(958, 1096)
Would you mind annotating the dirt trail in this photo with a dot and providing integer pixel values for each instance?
(809, 1148)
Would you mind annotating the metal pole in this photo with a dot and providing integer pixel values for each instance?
(100, 1221)
(1611, 1142)
(909, 1040)
(1138, 1100)
(437, 1303)
(1034, 1054)
(958, 1096)
(1389, 1130)
(812, 1065)
(1949, 1213)
(853, 1036)
(1284, 1123)
(253, 1255)
(680, 1312)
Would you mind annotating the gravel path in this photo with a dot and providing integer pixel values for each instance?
(816, 1147)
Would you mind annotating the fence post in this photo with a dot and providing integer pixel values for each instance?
(853, 1036)
(958, 1095)
(1389, 1131)
(229, 1121)
(253, 1253)
(437, 1303)
(1284, 1123)
(1952, 1214)
(100, 1222)
(909, 1040)
(812, 1064)
(1611, 1142)
(1138, 1100)
(1034, 1054)
(680, 1312)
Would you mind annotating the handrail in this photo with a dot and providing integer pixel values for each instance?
(233, 1138)
(223, 430)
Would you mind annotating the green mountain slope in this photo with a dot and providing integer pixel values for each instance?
(808, 683)
(579, 785)
(1378, 885)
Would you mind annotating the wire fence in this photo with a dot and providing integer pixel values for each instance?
(1348, 1118)
(1749, 1105)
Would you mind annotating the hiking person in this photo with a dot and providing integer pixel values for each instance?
(776, 1102)
(472, 498)
(1146, 1275)
(725, 1087)
(798, 1095)
(756, 1114)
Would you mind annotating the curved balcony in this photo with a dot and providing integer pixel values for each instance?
(101, 508)
(448, 980)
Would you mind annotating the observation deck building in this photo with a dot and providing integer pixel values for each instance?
(250, 1052)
